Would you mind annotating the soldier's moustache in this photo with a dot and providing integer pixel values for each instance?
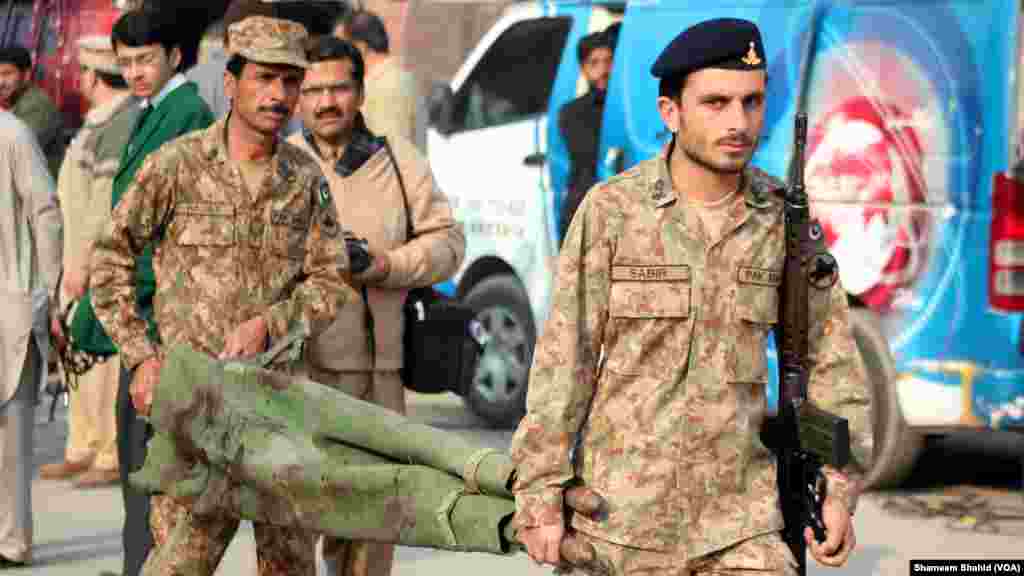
(736, 139)
(332, 111)
(276, 109)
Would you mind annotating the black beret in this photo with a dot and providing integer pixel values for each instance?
(720, 43)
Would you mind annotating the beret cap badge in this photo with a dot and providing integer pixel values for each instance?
(752, 59)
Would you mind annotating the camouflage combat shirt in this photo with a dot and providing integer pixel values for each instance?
(221, 257)
(654, 351)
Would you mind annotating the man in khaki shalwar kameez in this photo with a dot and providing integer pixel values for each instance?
(84, 187)
(390, 95)
(367, 186)
(30, 252)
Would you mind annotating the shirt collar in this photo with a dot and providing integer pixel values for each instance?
(176, 81)
(363, 145)
(100, 114)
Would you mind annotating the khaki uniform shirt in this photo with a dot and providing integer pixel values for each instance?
(221, 257)
(671, 438)
(390, 105)
(369, 203)
(30, 243)
(87, 176)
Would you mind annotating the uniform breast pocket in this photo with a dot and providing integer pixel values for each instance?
(650, 319)
(757, 311)
(206, 224)
(287, 234)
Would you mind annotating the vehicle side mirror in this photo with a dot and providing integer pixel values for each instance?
(440, 108)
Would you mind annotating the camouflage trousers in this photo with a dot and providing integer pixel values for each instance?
(765, 555)
(360, 557)
(189, 545)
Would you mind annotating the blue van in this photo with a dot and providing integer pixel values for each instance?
(912, 166)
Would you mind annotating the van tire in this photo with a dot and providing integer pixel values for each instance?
(895, 445)
(495, 388)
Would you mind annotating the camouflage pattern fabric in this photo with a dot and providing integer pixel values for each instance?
(764, 555)
(222, 258)
(269, 41)
(189, 544)
(670, 416)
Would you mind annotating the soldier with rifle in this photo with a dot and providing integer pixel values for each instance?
(648, 382)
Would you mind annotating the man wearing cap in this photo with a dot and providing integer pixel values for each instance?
(84, 186)
(654, 351)
(247, 248)
(146, 45)
(579, 121)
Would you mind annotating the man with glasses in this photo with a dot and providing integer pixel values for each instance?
(149, 56)
(377, 185)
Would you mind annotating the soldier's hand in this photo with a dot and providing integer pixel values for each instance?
(145, 381)
(585, 501)
(57, 333)
(543, 543)
(380, 267)
(839, 539)
(75, 284)
(248, 339)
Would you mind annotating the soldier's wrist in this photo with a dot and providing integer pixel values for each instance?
(842, 488)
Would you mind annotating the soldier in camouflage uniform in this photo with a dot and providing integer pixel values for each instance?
(247, 247)
(654, 351)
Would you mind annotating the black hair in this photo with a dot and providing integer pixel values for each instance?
(589, 43)
(326, 47)
(137, 28)
(16, 55)
(236, 63)
(671, 86)
(115, 81)
(365, 26)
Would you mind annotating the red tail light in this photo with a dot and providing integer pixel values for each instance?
(1006, 246)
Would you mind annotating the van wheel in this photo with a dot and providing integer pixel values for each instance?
(895, 445)
(495, 388)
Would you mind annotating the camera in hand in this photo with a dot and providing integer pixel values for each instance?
(358, 254)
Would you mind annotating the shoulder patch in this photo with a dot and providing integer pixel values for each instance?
(630, 174)
(324, 193)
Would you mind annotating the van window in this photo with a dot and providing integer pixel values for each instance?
(513, 80)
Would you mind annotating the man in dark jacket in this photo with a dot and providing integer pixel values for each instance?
(579, 121)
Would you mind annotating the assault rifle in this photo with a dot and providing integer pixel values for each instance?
(803, 437)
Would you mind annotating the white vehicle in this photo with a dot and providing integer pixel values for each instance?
(487, 146)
